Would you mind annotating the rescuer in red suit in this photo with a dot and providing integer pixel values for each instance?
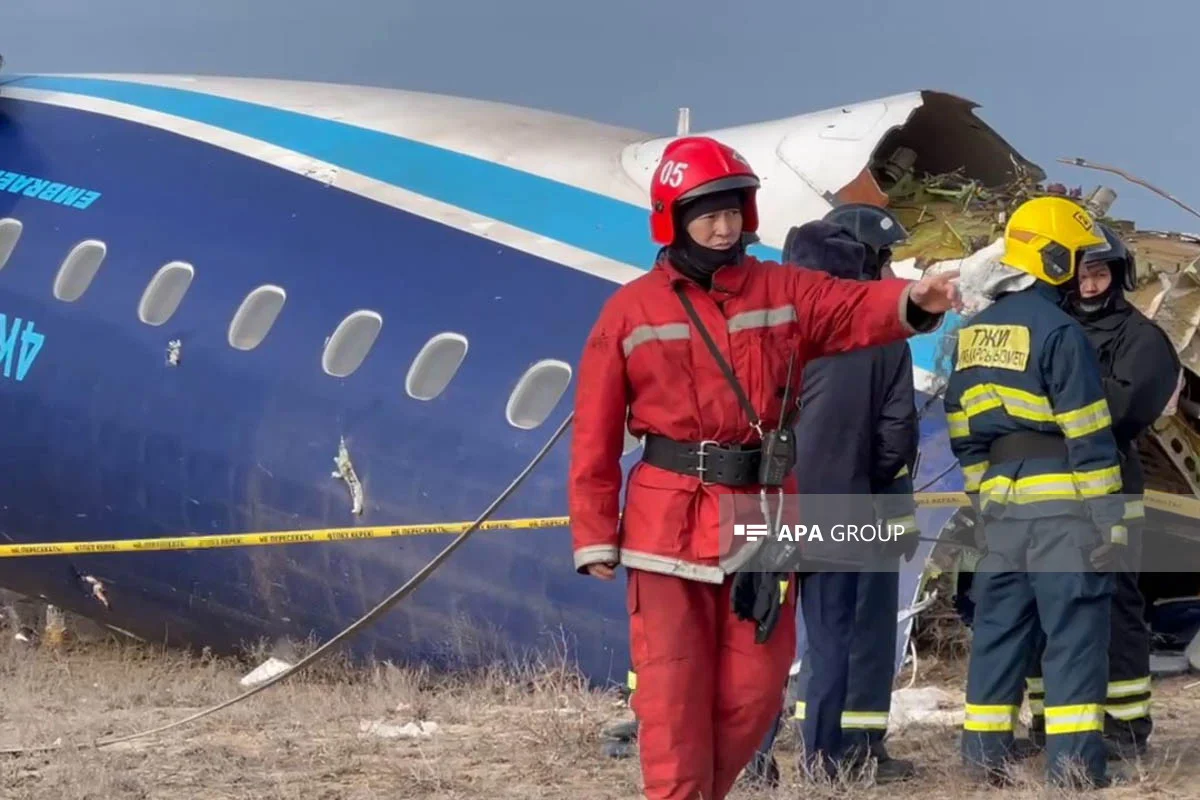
(707, 689)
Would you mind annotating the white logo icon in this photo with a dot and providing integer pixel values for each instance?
(752, 532)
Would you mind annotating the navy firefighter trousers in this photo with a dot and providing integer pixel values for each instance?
(1035, 578)
(868, 699)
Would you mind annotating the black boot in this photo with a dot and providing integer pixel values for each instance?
(888, 769)
(615, 749)
(620, 739)
(624, 731)
(1023, 749)
(1124, 749)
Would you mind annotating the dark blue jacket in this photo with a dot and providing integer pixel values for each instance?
(856, 433)
(1023, 364)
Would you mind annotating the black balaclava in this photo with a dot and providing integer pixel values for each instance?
(1095, 308)
(691, 259)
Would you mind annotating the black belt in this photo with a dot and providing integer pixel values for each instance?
(1027, 444)
(735, 465)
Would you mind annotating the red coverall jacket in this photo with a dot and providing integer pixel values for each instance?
(644, 355)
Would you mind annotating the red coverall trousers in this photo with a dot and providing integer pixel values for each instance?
(706, 693)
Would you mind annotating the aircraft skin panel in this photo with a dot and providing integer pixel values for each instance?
(232, 441)
(211, 445)
(349, 180)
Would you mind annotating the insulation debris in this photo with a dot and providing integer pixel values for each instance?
(173, 352)
(413, 730)
(97, 589)
(265, 671)
(926, 705)
(345, 471)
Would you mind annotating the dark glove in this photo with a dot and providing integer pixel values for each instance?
(756, 596)
(906, 545)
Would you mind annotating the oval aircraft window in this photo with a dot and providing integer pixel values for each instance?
(255, 316)
(538, 391)
(435, 366)
(10, 232)
(77, 270)
(350, 343)
(165, 292)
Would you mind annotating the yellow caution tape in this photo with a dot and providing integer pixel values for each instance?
(269, 538)
(1181, 505)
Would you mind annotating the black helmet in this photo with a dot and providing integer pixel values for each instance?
(876, 227)
(1119, 258)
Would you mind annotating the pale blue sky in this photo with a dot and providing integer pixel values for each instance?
(1107, 80)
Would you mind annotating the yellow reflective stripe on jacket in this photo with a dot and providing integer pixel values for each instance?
(1097, 482)
(1052, 486)
(1135, 509)
(958, 424)
(1082, 421)
(1079, 718)
(631, 680)
(972, 475)
(989, 719)
(1015, 402)
(909, 522)
(903, 471)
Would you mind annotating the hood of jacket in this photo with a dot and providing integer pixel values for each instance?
(827, 247)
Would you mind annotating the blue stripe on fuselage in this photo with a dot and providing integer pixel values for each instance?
(587, 220)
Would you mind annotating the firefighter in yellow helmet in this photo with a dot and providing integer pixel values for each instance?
(1031, 429)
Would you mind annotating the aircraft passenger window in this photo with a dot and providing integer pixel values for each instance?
(165, 292)
(10, 232)
(538, 391)
(435, 366)
(78, 269)
(255, 316)
(350, 343)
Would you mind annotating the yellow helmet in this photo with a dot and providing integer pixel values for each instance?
(1046, 236)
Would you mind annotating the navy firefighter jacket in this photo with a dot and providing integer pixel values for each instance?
(856, 433)
(1024, 365)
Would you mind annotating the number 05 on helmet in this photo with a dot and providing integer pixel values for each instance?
(693, 167)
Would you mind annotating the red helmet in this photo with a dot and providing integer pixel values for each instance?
(692, 167)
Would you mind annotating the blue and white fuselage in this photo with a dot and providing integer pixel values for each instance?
(208, 286)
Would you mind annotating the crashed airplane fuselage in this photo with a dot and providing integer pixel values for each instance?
(234, 307)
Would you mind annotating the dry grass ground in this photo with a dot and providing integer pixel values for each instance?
(530, 735)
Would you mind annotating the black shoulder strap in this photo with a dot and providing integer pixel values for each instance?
(712, 347)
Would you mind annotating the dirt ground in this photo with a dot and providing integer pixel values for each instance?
(530, 735)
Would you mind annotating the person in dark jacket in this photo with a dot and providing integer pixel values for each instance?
(858, 421)
(1140, 372)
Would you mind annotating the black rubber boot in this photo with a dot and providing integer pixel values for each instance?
(1124, 749)
(624, 731)
(614, 749)
(1023, 749)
